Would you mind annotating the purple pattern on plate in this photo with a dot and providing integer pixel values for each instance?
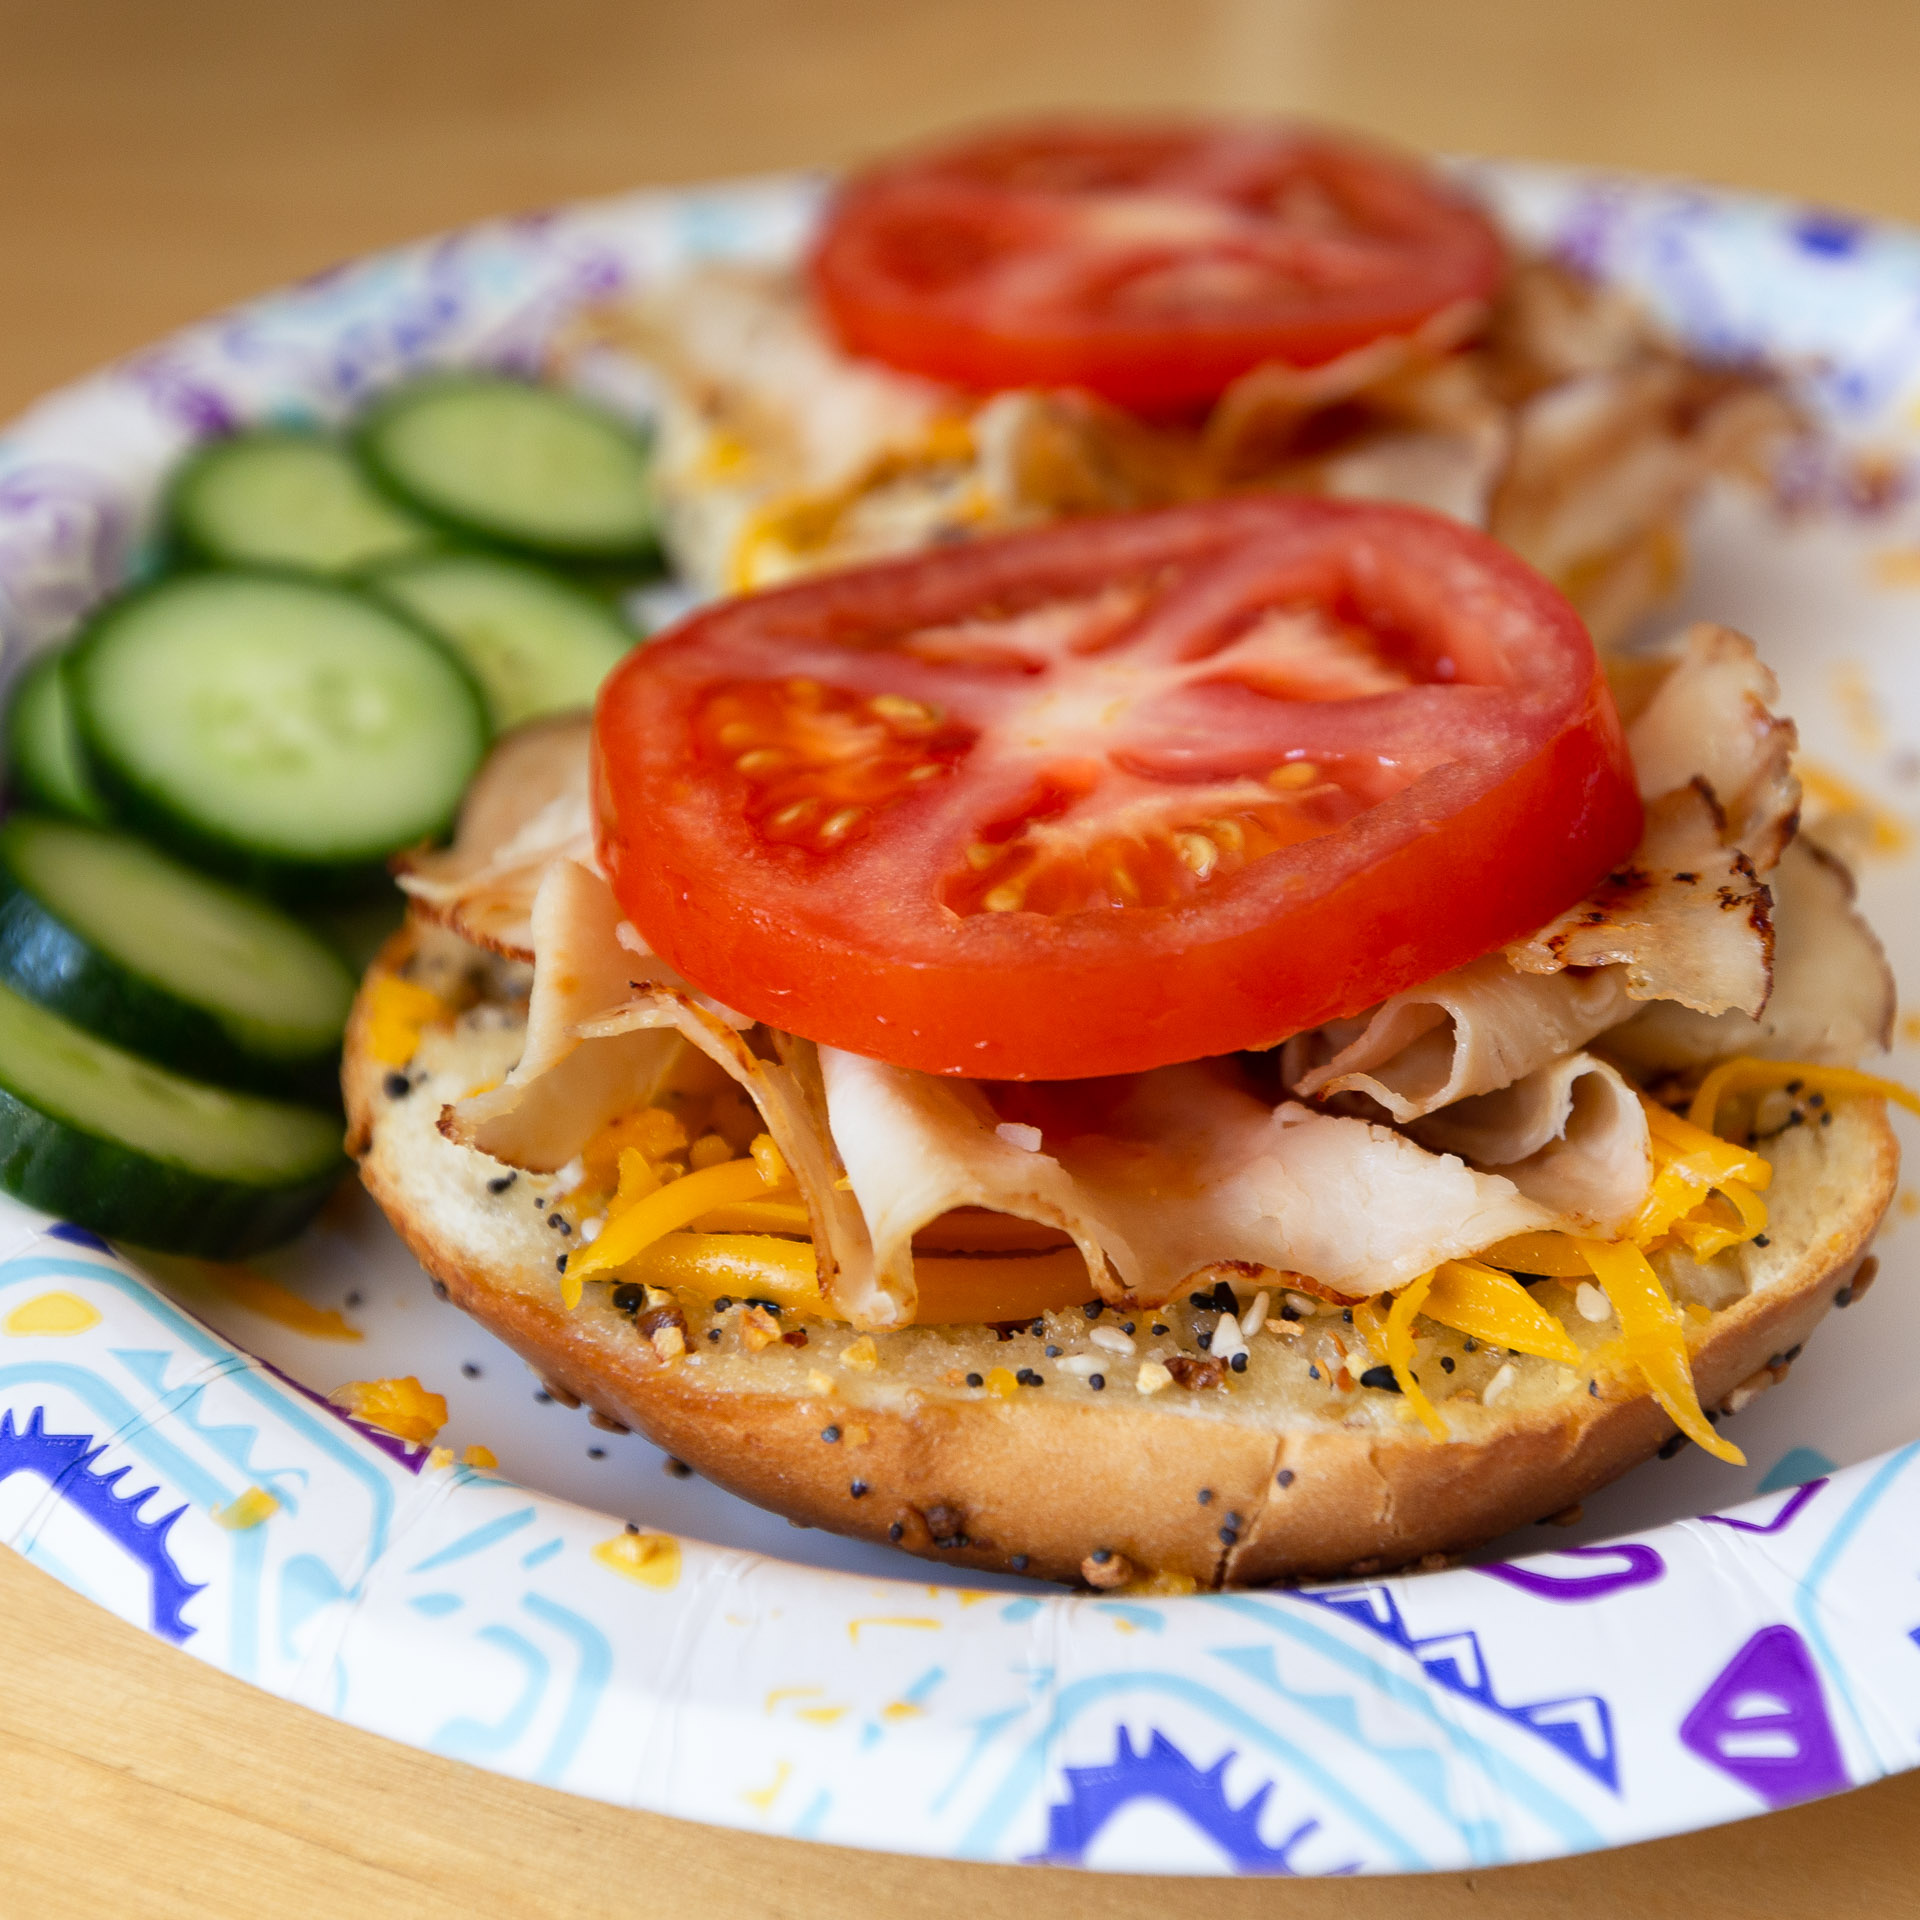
(65, 1462)
(1764, 1722)
(1789, 1513)
(1642, 1566)
(1160, 1771)
(1579, 1725)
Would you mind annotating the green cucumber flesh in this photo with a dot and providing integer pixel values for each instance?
(130, 945)
(536, 643)
(503, 460)
(114, 1143)
(43, 748)
(278, 497)
(289, 732)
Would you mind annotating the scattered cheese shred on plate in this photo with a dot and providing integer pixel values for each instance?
(403, 1407)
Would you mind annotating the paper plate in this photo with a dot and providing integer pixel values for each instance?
(1708, 1644)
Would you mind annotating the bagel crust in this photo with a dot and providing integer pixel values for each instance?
(1241, 1487)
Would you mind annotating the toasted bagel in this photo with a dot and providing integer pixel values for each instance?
(1275, 1473)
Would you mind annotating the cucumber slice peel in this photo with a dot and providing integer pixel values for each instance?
(505, 461)
(133, 1151)
(279, 497)
(285, 731)
(126, 943)
(536, 643)
(43, 746)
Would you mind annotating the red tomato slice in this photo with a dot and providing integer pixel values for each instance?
(1152, 264)
(1114, 793)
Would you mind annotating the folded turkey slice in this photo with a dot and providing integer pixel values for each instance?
(1686, 920)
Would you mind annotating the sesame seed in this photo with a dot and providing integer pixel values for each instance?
(1794, 1086)
(1100, 1556)
(1204, 1341)
(1018, 1563)
(1446, 1363)
(1238, 1363)
(1669, 1448)
(629, 1297)
(1284, 1478)
(1381, 1379)
(398, 1086)
(1161, 1327)
(440, 1290)
(502, 1182)
(1097, 1381)
(1206, 1496)
(1094, 1309)
(560, 1265)
(1346, 1314)
(975, 1380)
(1313, 1373)
(895, 1531)
(1038, 1328)
(470, 1370)
(1593, 1387)
(558, 1224)
(543, 1397)
(356, 1300)
(713, 1333)
(1234, 1521)
(1126, 1326)
(829, 1434)
(677, 1469)
(724, 1302)
(858, 1489)
(1228, 1535)
(596, 1453)
(1053, 1353)
(1761, 1240)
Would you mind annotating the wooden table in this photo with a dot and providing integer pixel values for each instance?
(159, 160)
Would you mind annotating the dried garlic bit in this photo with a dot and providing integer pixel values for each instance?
(1152, 1377)
(483, 1458)
(1499, 1386)
(246, 1510)
(861, 1355)
(1591, 1303)
(758, 1329)
(402, 1407)
(1255, 1316)
(821, 1385)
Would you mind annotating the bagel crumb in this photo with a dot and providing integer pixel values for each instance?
(821, 1385)
(1105, 1569)
(606, 1422)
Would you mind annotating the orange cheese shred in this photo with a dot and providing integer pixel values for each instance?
(1494, 1306)
(1398, 1341)
(1655, 1339)
(397, 1014)
(1747, 1075)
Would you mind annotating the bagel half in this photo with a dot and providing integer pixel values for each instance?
(1279, 1473)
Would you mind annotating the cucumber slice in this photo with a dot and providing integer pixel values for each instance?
(536, 643)
(288, 732)
(277, 497)
(128, 944)
(127, 1148)
(43, 749)
(525, 466)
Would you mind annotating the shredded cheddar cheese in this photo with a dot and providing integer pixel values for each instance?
(1399, 1346)
(398, 1012)
(1486, 1304)
(402, 1407)
(1747, 1075)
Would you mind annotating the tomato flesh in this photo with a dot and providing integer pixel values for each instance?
(1115, 793)
(1152, 264)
